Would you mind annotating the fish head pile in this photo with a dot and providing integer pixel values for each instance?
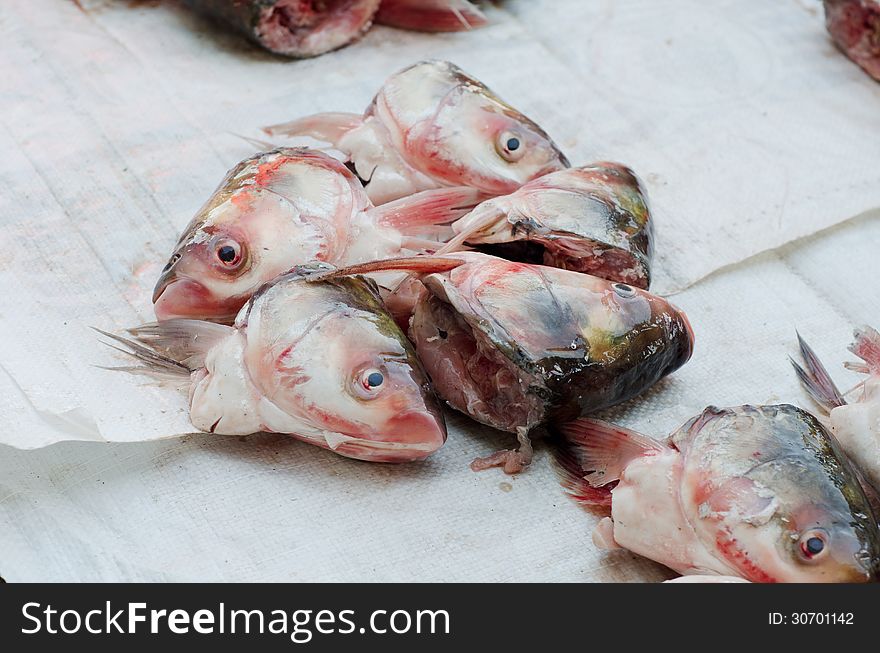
(770, 490)
(515, 345)
(272, 211)
(593, 219)
(452, 128)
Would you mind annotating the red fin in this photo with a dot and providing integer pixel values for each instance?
(431, 15)
(571, 476)
(815, 378)
(429, 207)
(412, 264)
(327, 127)
(867, 347)
(604, 449)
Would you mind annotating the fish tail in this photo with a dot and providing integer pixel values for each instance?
(326, 127)
(173, 348)
(866, 346)
(815, 378)
(428, 207)
(431, 16)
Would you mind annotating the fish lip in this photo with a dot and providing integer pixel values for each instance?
(168, 277)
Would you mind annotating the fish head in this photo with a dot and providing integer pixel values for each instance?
(776, 498)
(329, 355)
(221, 259)
(452, 127)
(557, 343)
(273, 211)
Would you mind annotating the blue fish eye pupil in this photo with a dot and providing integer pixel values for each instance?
(513, 144)
(815, 546)
(375, 379)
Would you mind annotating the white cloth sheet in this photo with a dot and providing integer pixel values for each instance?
(749, 129)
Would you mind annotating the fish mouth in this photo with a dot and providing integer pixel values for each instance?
(423, 428)
(169, 276)
(178, 297)
(408, 437)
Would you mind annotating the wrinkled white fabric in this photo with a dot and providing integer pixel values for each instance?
(749, 129)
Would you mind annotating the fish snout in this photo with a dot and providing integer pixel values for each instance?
(168, 276)
(417, 427)
(176, 296)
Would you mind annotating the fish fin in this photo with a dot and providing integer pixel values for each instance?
(256, 143)
(416, 244)
(428, 207)
(482, 217)
(186, 341)
(411, 264)
(434, 16)
(815, 378)
(150, 362)
(326, 127)
(567, 465)
(604, 449)
(173, 347)
(867, 347)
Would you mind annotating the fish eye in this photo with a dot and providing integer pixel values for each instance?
(510, 146)
(623, 290)
(228, 253)
(812, 545)
(369, 382)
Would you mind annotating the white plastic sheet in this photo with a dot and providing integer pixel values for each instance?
(749, 129)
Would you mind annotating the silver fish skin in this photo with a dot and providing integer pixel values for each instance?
(288, 207)
(433, 125)
(763, 493)
(593, 219)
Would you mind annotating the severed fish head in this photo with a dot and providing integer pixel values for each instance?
(516, 345)
(331, 358)
(274, 210)
(451, 127)
(769, 491)
(593, 219)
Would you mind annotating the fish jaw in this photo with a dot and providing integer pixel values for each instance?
(179, 297)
